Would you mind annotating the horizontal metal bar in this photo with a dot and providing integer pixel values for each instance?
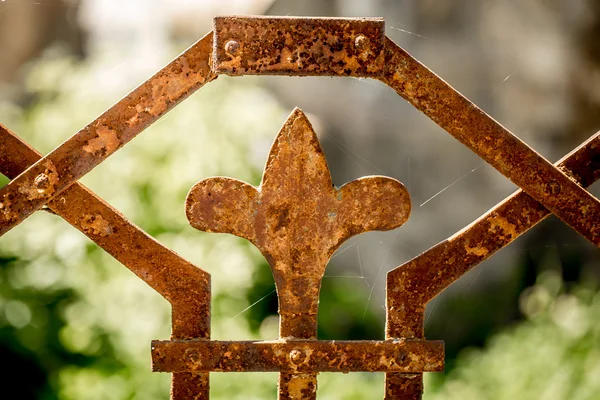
(299, 46)
(298, 356)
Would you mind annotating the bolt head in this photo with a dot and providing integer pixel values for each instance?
(361, 42)
(232, 47)
(296, 356)
(553, 187)
(42, 182)
(192, 356)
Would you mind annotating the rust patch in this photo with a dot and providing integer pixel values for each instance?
(95, 225)
(106, 142)
(299, 387)
(43, 185)
(478, 251)
(500, 225)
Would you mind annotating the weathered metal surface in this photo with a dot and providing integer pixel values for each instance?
(101, 138)
(297, 218)
(299, 46)
(412, 285)
(492, 142)
(402, 386)
(297, 386)
(184, 285)
(298, 356)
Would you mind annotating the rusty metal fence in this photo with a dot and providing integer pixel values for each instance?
(296, 217)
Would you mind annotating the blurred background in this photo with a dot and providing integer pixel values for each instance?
(75, 324)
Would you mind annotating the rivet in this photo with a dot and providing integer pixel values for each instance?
(192, 356)
(296, 356)
(553, 187)
(361, 42)
(232, 47)
(41, 182)
(400, 358)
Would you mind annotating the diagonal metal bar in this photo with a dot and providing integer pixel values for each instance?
(412, 285)
(53, 173)
(417, 282)
(185, 286)
(491, 141)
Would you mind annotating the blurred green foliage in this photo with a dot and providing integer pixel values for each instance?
(75, 324)
(552, 355)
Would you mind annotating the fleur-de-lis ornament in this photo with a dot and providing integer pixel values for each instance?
(297, 218)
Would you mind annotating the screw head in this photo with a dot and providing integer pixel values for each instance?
(361, 42)
(192, 356)
(232, 47)
(553, 187)
(296, 356)
(41, 182)
(400, 358)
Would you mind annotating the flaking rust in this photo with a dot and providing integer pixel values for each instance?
(296, 218)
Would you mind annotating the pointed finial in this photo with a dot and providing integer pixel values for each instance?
(296, 218)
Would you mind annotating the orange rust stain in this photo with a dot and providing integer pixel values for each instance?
(95, 225)
(478, 251)
(107, 141)
(299, 385)
(502, 223)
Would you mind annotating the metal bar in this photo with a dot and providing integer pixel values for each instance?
(292, 386)
(298, 356)
(297, 386)
(299, 46)
(411, 285)
(492, 142)
(53, 173)
(184, 285)
(399, 386)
